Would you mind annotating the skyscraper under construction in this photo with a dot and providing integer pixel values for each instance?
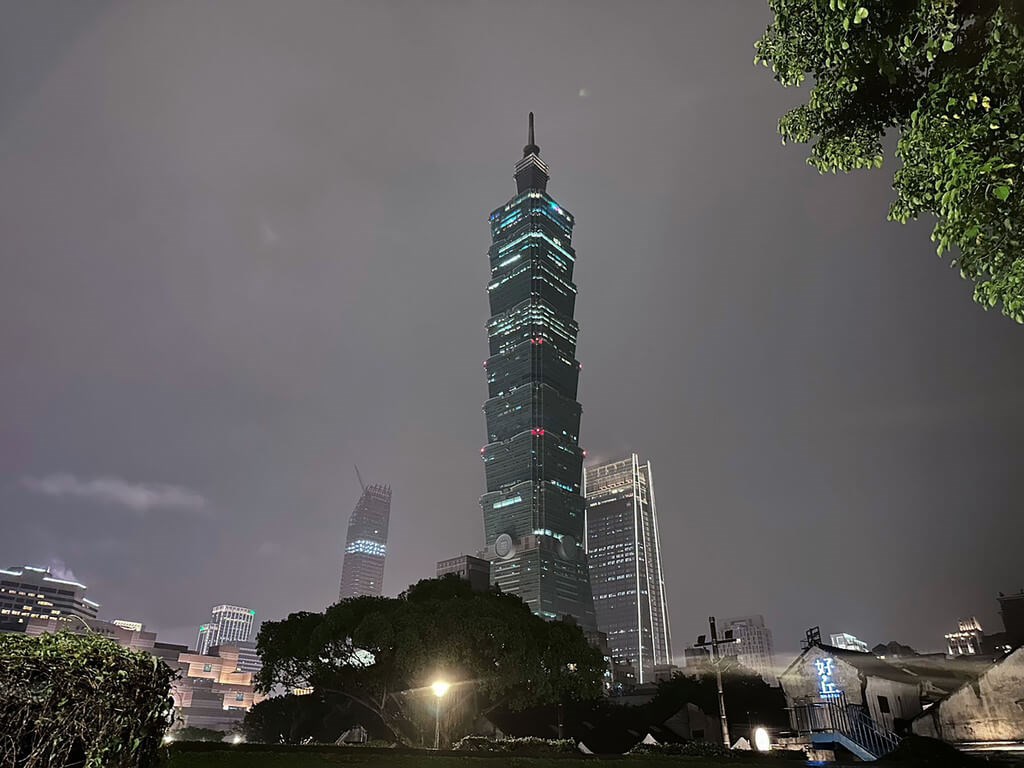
(366, 546)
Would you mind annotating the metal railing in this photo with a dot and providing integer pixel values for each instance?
(836, 715)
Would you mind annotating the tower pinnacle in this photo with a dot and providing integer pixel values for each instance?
(531, 171)
(531, 148)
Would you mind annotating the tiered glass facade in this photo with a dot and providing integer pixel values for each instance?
(366, 547)
(624, 551)
(533, 508)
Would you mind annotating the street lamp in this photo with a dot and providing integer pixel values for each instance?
(762, 740)
(440, 688)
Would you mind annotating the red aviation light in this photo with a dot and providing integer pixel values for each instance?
(537, 431)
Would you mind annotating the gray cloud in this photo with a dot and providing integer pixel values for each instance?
(140, 497)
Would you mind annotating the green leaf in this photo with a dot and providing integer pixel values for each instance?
(1002, 192)
(947, 45)
(860, 15)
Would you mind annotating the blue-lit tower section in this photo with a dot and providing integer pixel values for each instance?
(533, 508)
(366, 546)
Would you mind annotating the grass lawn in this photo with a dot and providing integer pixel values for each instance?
(252, 757)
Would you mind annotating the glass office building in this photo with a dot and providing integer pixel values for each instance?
(533, 508)
(229, 624)
(624, 552)
(366, 546)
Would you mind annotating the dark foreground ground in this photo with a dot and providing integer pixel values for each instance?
(261, 756)
(255, 756)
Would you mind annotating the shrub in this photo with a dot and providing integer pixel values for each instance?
(191, 733)
(528, 745)
(686, 749)
(74, 700)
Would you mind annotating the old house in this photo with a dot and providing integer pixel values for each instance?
(989, 708)
(889, 695)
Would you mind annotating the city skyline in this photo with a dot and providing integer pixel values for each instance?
(231, 272)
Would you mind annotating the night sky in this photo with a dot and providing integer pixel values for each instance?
(243, 247)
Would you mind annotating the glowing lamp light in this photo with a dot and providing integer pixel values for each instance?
(236, 739)
(440, 688)
(762, 741)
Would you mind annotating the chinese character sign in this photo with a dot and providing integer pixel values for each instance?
(826, 685)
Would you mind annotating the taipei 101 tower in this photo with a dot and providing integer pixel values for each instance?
(533, 508)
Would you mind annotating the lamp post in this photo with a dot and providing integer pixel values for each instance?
(440, 688)
(716, 661)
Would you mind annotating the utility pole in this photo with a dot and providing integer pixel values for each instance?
(716, 662)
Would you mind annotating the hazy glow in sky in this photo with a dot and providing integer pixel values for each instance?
(243, 247)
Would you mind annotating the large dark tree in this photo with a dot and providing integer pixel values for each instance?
(379, 652)
(947, 76)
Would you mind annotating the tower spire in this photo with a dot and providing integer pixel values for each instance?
(531, 148)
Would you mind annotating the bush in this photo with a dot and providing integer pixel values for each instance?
(529, 745)
(74, 700)
(686, 749)
(191, 733)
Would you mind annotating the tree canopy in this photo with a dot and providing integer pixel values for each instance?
(379, 652)
(948, 77)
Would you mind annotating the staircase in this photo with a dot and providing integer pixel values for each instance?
(834, 721)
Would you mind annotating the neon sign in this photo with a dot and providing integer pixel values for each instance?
(826, 685)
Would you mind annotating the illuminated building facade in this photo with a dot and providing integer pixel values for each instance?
(624, 554)
(533, 507)
(27, 592)
(213, 690)
(754, 650)
(968, 640)
(228, 624)
(366, 546)
(849, 642)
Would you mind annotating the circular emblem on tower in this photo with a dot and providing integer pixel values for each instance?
(504, 547)
(567, 548)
